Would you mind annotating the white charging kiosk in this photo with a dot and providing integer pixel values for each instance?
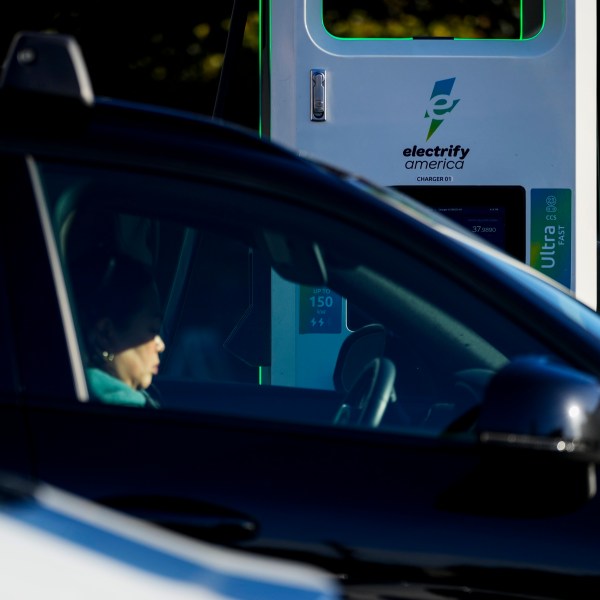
(499, 134)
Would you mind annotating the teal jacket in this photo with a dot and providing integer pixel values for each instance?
(109, 389)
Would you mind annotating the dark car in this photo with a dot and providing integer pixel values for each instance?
(337, 374)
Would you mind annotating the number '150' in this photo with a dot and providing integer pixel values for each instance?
(321, 301)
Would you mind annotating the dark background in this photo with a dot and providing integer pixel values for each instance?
(167, 53)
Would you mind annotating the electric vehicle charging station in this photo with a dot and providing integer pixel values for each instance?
(499, 134)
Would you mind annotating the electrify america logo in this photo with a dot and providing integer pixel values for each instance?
(441, 104)
(437, 158)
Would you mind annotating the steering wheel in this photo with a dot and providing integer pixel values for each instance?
(367, 399)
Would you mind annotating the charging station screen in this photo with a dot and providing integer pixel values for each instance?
(496, 213)
(414, 19)
(487, 221)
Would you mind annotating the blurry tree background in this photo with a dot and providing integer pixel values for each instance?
(167, 53)
(475, 19)
(171, 53)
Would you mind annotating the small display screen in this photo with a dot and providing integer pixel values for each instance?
(496, 213)
(487, 221)
(320, 310)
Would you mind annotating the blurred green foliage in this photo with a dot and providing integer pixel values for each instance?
(168, 53)
(472, 19)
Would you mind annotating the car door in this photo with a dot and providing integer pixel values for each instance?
(401, 489)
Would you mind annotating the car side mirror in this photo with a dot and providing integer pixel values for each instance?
(538, 403)
(539, 428)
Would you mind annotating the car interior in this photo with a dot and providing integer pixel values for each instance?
(419, 348)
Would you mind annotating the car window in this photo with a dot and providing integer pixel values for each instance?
(263, 310)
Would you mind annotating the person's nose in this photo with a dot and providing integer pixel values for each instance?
(160, 345)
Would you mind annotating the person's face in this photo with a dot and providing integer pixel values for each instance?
(137, 346)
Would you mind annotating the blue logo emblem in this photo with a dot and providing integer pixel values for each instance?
(441, 104)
